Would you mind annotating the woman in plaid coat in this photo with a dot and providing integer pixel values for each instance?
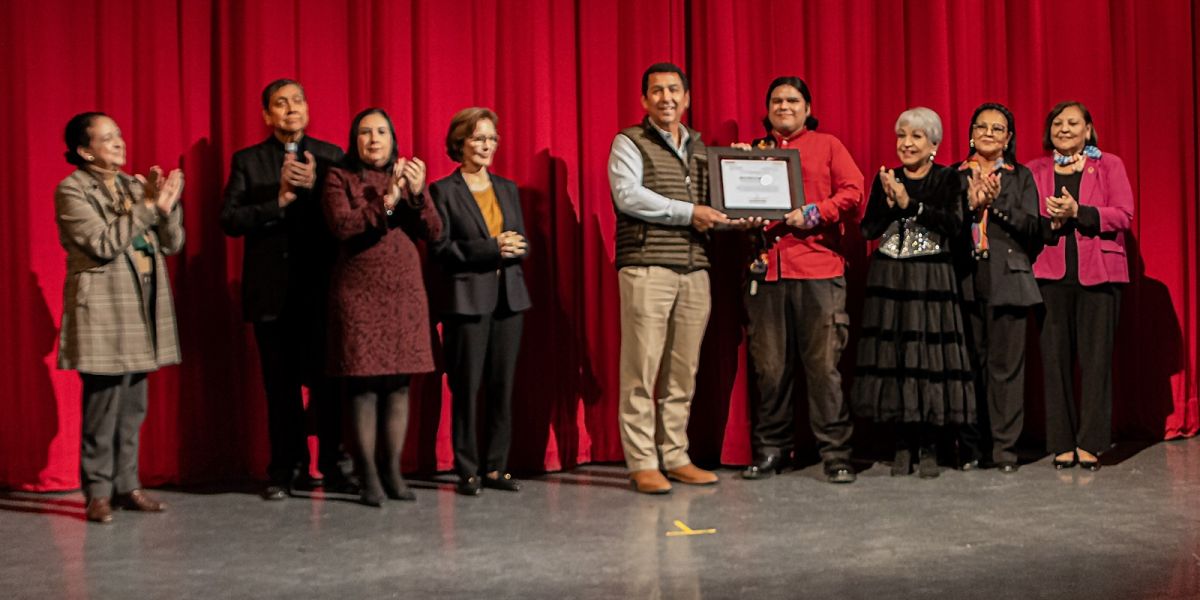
(118, 320)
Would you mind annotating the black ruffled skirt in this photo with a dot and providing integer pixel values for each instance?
(913, 364)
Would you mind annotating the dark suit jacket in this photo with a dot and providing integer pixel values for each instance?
(1014, 241)
(289, 251)
(469, 257)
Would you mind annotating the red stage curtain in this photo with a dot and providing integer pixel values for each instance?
(183, 80)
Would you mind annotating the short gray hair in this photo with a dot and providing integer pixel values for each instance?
(924, 119)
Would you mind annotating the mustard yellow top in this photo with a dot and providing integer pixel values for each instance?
(489, 207)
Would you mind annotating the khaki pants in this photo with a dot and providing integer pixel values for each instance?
(663, 316)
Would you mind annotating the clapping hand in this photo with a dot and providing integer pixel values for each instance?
(896, 194)
(982, 189)
(298, 174)
(414, 173)
(286, 194)
(511, 243)
(1061, 208)
(162, 192)
(396, 186)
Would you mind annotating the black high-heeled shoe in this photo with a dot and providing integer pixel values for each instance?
(765, 467)
(1065, 464)
(371, 497)
(371, 493)
(398, 490)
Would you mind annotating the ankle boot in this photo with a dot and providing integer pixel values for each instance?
(928, 467)
(902, 462)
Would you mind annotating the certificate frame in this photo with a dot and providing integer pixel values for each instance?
(729, 203)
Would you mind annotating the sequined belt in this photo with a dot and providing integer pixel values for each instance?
(906, 238)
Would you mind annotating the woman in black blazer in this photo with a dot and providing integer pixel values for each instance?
(995, 253)
(483, 297)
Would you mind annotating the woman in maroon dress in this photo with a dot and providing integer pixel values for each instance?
(377, 206)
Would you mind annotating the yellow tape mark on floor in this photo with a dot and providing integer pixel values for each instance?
(685, 530)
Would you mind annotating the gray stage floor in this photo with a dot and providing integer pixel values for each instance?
(1131, 530)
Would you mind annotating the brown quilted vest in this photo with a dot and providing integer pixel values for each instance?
(640, 243)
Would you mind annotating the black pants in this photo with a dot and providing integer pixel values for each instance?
(481, 351)
(1078, 322)
(289, 361)
(799, 322)
(997, 339)
(114, 407)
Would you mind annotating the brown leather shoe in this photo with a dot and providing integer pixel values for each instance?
(650, 481)
(692, 475)
(138, 500)
(99, 510)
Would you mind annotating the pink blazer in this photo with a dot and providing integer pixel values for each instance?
(1105, 186)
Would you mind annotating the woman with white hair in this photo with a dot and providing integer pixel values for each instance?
(913, 368)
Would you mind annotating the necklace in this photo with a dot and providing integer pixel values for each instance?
(1076, 160)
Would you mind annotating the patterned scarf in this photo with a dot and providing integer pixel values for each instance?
(979, 233)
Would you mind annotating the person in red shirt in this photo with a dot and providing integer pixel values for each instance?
(797, 310)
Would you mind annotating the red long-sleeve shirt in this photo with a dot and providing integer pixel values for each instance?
(831, 181)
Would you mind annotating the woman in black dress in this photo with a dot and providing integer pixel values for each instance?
(913, 367)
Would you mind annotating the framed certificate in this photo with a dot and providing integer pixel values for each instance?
(755, 183)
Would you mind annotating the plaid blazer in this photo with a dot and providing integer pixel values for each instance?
(105, 328)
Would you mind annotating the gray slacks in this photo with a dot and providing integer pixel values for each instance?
(114, 407)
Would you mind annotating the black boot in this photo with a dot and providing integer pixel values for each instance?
(928, 467)
(902, 462)
(764, 467)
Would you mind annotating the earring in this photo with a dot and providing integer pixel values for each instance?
(932, 155)
(971, 143)
(89, 158)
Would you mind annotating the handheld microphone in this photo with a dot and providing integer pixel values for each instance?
(291, 148)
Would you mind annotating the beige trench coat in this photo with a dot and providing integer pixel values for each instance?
(105, 328)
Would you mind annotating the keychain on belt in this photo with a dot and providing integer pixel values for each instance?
(758, 268)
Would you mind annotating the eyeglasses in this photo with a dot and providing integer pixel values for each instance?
(995, 128)
(483, 139)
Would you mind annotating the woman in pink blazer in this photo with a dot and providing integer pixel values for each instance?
(1088, 204)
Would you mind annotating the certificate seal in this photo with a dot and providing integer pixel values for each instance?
(766, 180)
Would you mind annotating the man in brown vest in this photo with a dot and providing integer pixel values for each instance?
(657, 171)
